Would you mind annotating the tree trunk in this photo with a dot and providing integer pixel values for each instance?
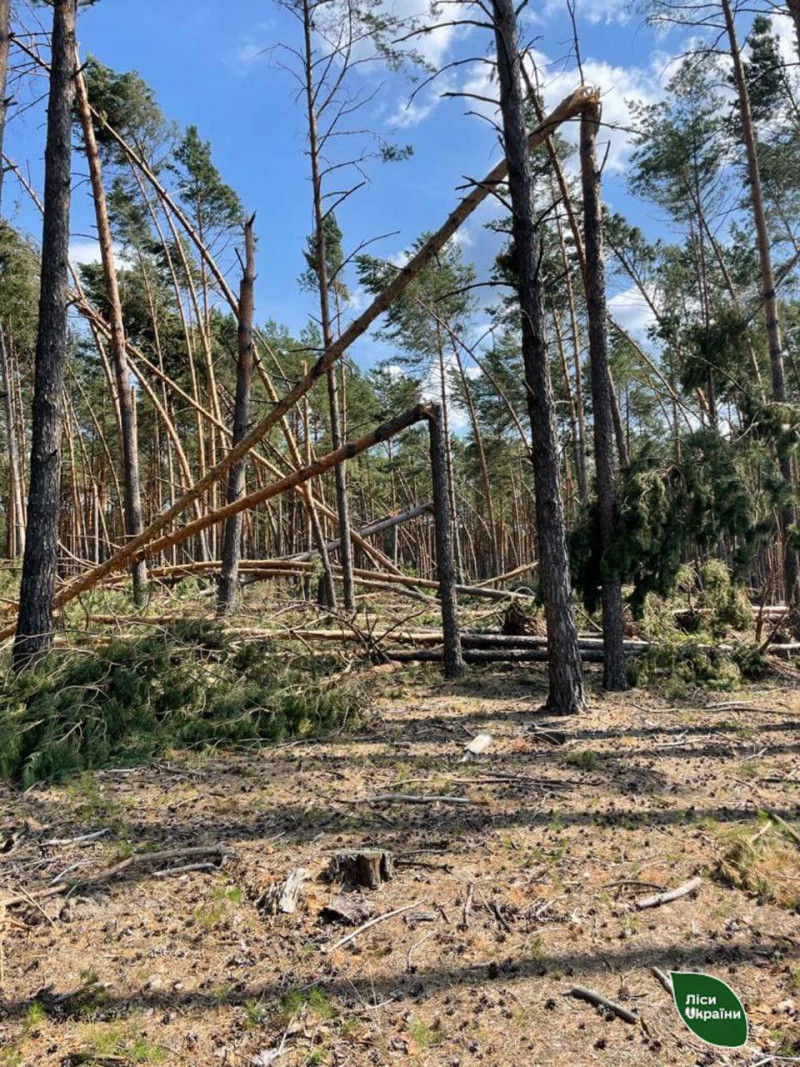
(791, 565)
(119, 355)
(16, 517)
(34, 635)
(340, 474)
(794, 11)
(566, 676)
(445, 559)
(232, 539)
(5, 41)
(615, 675)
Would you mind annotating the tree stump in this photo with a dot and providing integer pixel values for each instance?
(282, 897)
(368, 869)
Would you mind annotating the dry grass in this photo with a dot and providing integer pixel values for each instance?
(187, 970)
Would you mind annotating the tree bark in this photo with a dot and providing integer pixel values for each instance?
(16, 517)
(128, 435)
(232, 538)
(445, 559)
(791, 564)
(34, 634)
(5, 41)
(340, 474)
(615, 675)
(566, 695)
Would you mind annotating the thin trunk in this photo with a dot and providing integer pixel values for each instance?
(448, 453)
(130, 445)
(791, 564)
(445, 559)
(342, 503)
(34, 631)
(231, 546)
(17, 486)
(485, 479)
(615, 676)
(5, 41)
(566, 695)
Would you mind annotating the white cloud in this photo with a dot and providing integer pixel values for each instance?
(619, 86)
(593, 11)
(84, 250)
(630, 309)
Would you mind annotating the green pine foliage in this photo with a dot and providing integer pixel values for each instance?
(668, 513)
(188, 684)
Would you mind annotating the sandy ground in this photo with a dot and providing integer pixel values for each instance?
(187, 968)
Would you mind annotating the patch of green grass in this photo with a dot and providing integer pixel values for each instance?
(254, 1014)
(34, 1017)
(313, 1000)
(123, 1042)
(425, 1036)
(585, 760)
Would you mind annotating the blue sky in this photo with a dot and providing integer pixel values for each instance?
(216, 66)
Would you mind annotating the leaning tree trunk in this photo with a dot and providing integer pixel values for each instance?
(232, 538)
(119, 354)
(615, 676)
(34, 636)
(791, 564)
(566, 676)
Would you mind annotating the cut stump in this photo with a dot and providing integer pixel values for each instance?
(368, 869)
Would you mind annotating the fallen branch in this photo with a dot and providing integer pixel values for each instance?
(664, 979)
(599, 1001)
(671, 894)
(409, 798)
(138, 859)
(372, 922)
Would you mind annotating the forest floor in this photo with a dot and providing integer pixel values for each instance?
(514, 896)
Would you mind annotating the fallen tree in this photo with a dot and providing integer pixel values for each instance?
(148, 541)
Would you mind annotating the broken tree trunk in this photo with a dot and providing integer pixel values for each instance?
(445, 560)
(615, 674)
(232, 537)
(283, 897)
(568, 108)
(371, 530)
(177, 537)
(490, 655)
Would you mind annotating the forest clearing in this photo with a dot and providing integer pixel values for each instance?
(399, 540)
